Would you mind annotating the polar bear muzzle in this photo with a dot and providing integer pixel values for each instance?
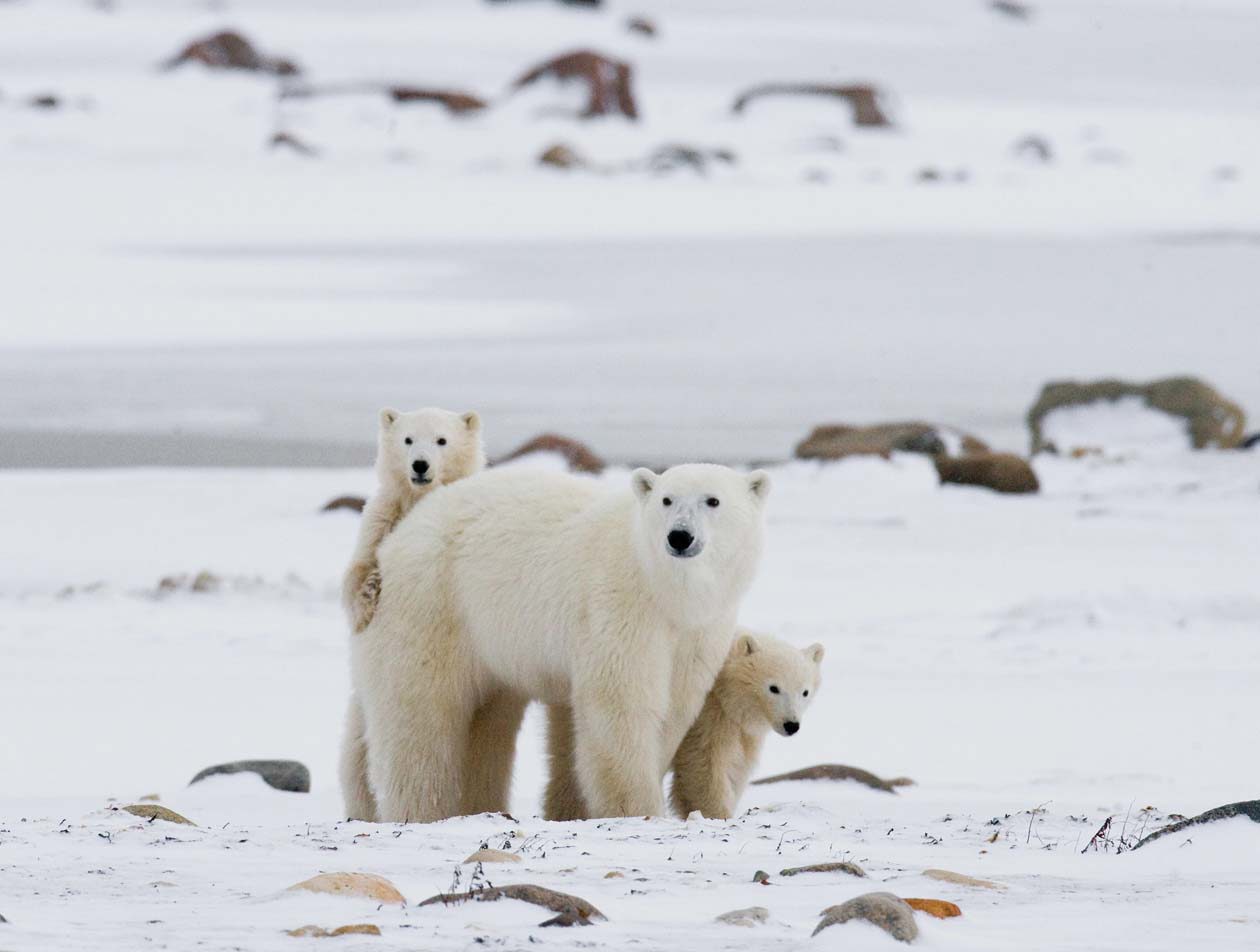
(682, 544)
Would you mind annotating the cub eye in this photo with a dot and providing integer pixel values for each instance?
(441, 441)
(407, 441)
(804, 694)
(667, 501)
(712, 502)
(774, 689)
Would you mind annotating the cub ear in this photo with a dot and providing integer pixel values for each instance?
(471, 420)
(759, 483)
(815, 652)
(745, 645)
(642, 481)
(388, 417)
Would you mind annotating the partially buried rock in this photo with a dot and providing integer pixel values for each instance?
(862, 98)
(832, 772)
(939, 908)
(574, 909)
(608, 81)
(353, 503)
(362, 928)
(839, 440)
(642, 26)
(883, 909)
(154, 811)
(355, 885)
(577, 456)
(752, 916)
(761, 877)
(673, 157)
(230, 50)
(455, 102)
(851, 869)
(486, 855)
(948, 876)
(1247, 808)
(289, 775)
(291, 143)
(561, 156)
(1001, 472)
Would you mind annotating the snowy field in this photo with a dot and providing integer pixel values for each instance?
(1085, 653)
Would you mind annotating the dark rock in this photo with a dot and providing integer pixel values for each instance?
(1011, 8)
(883, 909)
(287, 775)
(1211, 419)
(838, 440)
(1249, 442)
(832, 772)
(287, 140)
(44, 101)
(642, 25)
(863, 99)
(669, 158)
(3, 919)
(564, 905)
(1033, 148)
(230, 50)
(1001, 472)
(345, 502)
(1248, 808)
(608, 81)
(561, 156)
(456, 103)
(851, 869)
(579, 456)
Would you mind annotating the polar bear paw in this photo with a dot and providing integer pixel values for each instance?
(365, 599)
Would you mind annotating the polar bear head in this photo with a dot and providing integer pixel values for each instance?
(767, 681)
(425, 448)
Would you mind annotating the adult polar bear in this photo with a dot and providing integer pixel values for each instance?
(518, 585)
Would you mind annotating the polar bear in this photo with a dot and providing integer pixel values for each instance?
(519, 585)
(416, 452)
(765, 684)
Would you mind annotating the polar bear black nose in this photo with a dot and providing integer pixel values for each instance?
(421, 466)
(791, 727)
(680, 540)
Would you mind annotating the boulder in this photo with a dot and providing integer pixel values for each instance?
(1247, 808)
(153, 811)
(883, 909)
(863, 99)
(939, 908)
(837, 440)
(1001, 472)
(288, 775)
(579, 457)
(356, 885)
(609, 82)
(1211, 420)
(230, 50)
(487, 855)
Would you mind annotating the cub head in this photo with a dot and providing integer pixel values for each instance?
(767, 681)
(700, 511)
(425, 448)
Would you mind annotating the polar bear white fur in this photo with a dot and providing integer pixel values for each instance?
(518, 585)
(765, 684)
(416, 452)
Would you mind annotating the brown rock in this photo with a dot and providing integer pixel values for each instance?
(360, 885)
(946, 876)
(1211, 419)
(579, 456)
(851, 869)
(561, 156)
(838, 440)
(940, 908)
(230, 50)
(883, 909)
(456, 103)
(642, 25)
(1002, 472)
(486, 855)
(608, 81)
(362, 928)
(154, 811)
(567, 907)
(862, 98)
(345, 502)
(287, 140)
(832, 772)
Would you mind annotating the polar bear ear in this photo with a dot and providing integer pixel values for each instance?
(471, 420)
(745, 645)
(759, 483)
(815, 652)
(389, 417)
(642, 481)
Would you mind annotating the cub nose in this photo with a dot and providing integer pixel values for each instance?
(421, 466)
(791, 727)
(680, 540)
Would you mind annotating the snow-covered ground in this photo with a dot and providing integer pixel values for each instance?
(1088, 652)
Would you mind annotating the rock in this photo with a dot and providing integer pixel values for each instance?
(753, 915)
(566, 906)
(1247, 808)
(1033, 149)
(230, 50)
(456, 103)
(1211, 419)
(852, 869)
(837, 440)
(487, 855)
(356, 885)
(761, 877)
(355, 503)
(44, 101)
(362, 928)
(561, 156)
(3, 919)
(642, 26)
(288, 775)
(614, 875)
(939, 908)
(608, 81)
(900, 782)
(670, 158)
(1001, 472)
(863, 99)
(206, 581)
(1011, 8)
(154, 811)
(287, 140)
(150, 798)
(579, 456)
(879, 908)
(946, 876)
(1250, 442)
(831, 772)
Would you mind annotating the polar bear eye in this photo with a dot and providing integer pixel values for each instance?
(774, 689)
(667, 501)
(712, 502)
(441, 441)
(407, 441)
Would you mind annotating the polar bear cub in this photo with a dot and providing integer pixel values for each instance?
(416, 452)
(765, 684)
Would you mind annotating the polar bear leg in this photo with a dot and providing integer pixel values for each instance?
(359, 801)
(490, 753)
(618, 756)
(563, 800)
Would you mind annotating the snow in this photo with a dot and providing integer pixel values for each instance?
(1089, 652)
(1116, 426)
